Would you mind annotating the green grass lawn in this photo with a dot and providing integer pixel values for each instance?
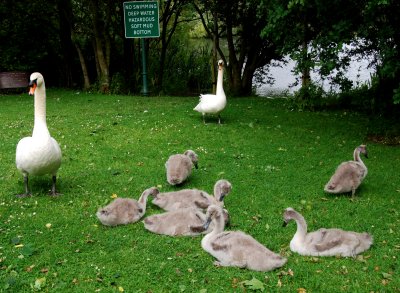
(274, 158)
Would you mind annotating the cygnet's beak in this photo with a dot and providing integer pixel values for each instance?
(207, 223)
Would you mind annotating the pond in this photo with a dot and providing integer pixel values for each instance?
(284, 77)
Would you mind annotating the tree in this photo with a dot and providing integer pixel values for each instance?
(313, 32)
(29, 37)
(379, 33)
(240, 25)
(171, 11)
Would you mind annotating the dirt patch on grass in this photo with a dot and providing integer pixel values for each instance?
(382, 139)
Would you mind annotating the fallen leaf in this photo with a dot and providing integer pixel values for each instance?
(387, 276)
(301, 290)
(120, 289)
(39, 284)
(48, 225)
(44, 270)
(254, 284)
(114, 195)
(30, 268)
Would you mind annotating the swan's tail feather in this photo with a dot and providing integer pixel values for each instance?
(331, 188)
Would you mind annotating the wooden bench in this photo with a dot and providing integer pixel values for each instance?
(14, 79)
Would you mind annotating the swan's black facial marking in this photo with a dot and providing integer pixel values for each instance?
(33, 82)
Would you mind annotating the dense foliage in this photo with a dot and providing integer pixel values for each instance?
(85, 40)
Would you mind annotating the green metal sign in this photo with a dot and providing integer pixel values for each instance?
(141, 19)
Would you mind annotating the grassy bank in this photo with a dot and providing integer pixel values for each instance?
(117, 145)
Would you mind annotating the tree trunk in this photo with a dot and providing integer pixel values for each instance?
(305, 71)
(214, 52)
(86, 80)
(102, 47)
(67, 46)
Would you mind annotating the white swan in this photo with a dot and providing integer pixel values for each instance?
(39, 154)
(214, 104)
(235, 248)
(325, 242)
(349, 175)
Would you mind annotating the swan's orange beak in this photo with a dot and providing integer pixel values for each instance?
(32, 89)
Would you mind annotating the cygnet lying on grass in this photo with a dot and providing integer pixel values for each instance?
(235, 248)
(125, 210)
(178, 222)
(179, 167)
(325, 242)
(192, 197)
(349, 175)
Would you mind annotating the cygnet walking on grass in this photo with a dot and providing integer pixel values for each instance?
(349, 175)
(179, 167)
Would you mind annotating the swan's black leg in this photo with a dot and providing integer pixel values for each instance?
(53, 187)
(27, 193)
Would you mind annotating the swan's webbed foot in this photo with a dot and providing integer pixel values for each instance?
(22, 195)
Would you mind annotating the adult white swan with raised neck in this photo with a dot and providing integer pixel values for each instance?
(38, 154)
(214, 104)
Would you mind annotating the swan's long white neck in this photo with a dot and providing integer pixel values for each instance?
(143, 200)
(220, 78)
(301, 227)
(217, 192)
(357, 157)
(40, 126)
(219, 224)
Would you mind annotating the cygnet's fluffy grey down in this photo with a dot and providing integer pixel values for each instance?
(193, 197)
(179, 167)
(349, 175)
(123, 211)
(178, 222)
(235, 248)
(325, 242)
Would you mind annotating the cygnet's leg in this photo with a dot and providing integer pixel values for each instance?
(27, 192)
(353, 192)
(53, 191)
(219, 119)
(204, 119)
